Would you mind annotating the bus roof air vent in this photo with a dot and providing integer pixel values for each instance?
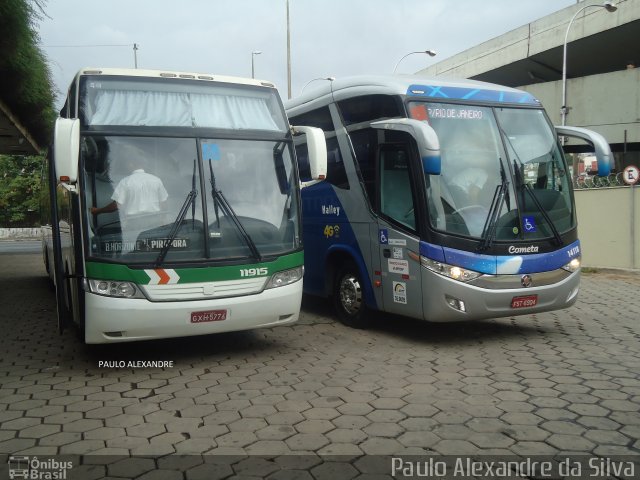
(168, 75)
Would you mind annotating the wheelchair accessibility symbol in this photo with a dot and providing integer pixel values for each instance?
(529, 224)
(384, 236)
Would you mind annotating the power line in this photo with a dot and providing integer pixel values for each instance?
(88, 46)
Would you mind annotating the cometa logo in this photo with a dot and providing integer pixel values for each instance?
(529, 249)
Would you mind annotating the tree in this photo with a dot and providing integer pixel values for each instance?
(20, 190)
(25, 82)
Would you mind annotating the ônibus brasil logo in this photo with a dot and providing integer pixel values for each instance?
(36, 469)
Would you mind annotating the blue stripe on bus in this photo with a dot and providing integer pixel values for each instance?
(465, 93)
(502, 264)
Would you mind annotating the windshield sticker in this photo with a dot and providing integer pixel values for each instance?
(211, 151)
(456, 113)
(419, 112)
(529, 224)
(400, 292)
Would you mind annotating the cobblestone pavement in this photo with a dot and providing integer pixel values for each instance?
(565, 382)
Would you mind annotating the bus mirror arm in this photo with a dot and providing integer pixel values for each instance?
(425, 137)
(317, 147)
(599, 143)
(66, 149)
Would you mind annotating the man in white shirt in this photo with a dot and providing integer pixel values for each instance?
(138, 193)
(139, 198)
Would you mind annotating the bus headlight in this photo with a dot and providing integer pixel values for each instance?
(286, 277)
(451, 271)
(113, 288)
(573, 265)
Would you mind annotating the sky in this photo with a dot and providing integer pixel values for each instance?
(334, 38)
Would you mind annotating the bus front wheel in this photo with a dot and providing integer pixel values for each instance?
(348, 297)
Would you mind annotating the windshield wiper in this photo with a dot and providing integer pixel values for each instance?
(219, 198)
(191, 198)
(554, 230)
(521, 185)
(518, 168)
(490, 225)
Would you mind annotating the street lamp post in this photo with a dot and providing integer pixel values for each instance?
(253, 69)
(330, 79)
(431, 53)
(610, 7)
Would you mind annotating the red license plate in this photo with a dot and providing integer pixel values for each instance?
(208, 316)
(524, 302)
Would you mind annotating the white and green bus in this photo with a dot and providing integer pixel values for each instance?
(221, 249)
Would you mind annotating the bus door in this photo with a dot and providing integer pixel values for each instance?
(398, 243)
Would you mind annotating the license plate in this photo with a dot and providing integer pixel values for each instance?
(208, 316)
(524, 302)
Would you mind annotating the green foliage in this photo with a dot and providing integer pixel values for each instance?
(25, 80)
(20, 190)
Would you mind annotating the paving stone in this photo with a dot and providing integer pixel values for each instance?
(572, 443)
(307, 441)
(39, 431)
(314, 426)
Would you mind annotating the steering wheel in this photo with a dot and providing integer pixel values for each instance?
(100, 229)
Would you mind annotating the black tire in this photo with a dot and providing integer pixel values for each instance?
(348, 297)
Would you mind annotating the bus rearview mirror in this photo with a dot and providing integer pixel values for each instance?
(600, 145)
(425, 137)
(317, 148)
(66, 149)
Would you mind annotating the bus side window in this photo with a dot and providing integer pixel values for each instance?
(396, 199)
(320, 118)
(336, 174)
(365, 144)
(370, 107)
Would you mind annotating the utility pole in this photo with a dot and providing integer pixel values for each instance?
(288, 54)
(135, 55)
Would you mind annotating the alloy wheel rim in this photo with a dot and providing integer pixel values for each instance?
(350, 295)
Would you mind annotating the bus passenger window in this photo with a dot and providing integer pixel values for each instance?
(369, 107)
(396, 199)
(320, 118)
(336, 174)
(364, 144)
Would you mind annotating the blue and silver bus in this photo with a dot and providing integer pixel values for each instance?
(444, 200)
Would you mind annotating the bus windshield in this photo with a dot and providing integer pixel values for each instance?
(503, 174)
(146, 194)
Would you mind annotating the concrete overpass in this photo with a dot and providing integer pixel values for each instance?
(603, 83)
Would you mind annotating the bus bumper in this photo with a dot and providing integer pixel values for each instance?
(482, 303)
(111, 320)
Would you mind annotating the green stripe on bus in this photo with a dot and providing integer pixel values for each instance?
(111, 271)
